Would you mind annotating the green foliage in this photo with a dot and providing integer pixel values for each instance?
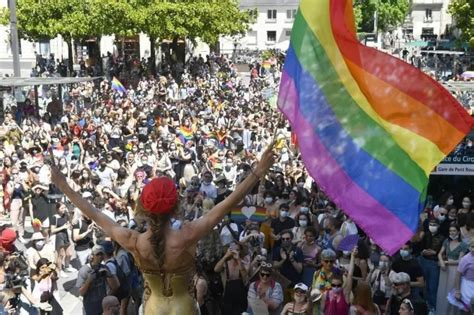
(79, 19)
(390, 14)
(206, 19)
(462, 12)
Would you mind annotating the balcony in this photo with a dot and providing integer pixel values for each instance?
(416, 4)
(427, 20)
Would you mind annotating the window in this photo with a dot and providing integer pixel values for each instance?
(271, 36)
(428, 14)
(290, 14)
(44, 47)
(288, 33)
(271, 14)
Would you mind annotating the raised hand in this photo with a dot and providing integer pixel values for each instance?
(266, 161)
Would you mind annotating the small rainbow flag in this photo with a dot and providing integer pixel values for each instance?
(117, 86)
(370, 127)
(185, 134)
(237, 216)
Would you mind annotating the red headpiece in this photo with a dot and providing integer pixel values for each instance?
(159, 196)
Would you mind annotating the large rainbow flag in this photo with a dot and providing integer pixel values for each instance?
(370, 127)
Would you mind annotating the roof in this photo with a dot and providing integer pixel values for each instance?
(43, 81)
(275, 3)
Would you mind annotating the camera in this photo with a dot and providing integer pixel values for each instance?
(100, 272)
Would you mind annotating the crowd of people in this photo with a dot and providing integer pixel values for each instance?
(276, 253)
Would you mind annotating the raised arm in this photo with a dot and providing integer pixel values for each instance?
(199, 228)
(125, 237)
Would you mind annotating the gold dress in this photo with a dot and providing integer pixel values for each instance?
(169, 293)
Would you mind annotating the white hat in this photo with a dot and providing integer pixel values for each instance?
(86, 194)
(37, 236)
(301, 286)
(401, 277)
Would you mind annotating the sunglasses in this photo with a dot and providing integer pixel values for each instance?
(286, 239)
(298, 291)
(264, 274)
(336, 285)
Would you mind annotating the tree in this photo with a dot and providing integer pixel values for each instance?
(390, 13)
(462, 12)
(179, 19)
(72, 19)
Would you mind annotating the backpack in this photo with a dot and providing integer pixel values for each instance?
(124, 289)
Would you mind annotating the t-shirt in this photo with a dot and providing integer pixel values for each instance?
(83, 244)
(278, 226)
(411, 267)
(287, 269)
(92, 300)
(419, 305)
(466, 267)
(40, 207)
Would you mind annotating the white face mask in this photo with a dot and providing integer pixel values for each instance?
(442, 217)
(39, 244)
(450, 201)
(433, 229)
(303, 223)
(283, 214)
(383, 265)
(301, 184)
(466, 204)
(454, 236)
(268, 200)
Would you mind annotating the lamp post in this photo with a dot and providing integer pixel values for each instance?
(14, 39)
(234, 55)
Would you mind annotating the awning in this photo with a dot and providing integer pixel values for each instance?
(44, 81)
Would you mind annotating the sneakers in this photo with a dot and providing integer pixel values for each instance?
(70, 269)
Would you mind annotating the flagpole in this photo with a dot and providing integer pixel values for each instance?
(14, 39)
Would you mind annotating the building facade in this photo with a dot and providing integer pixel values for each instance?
(428, 19)
(272, 28)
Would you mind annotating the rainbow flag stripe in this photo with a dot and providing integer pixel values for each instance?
(370, 127)
(185, 134)
(237, 216)
(117, 86)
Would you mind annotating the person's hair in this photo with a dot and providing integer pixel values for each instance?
(311, 230)
(157, 223)
(363, 297)
(41, 262)
(58, 205)
(287, 232)
(444, 198)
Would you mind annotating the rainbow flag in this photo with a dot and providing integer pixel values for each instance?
(117, 86)
(237, 216)
(185, 134)
(370, 127)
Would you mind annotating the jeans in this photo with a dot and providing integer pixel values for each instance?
(431, 274)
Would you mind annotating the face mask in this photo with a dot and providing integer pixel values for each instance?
(228, 168)
(283, 214)
(303, 223)
(85, 176)
(383, 265)
(450, 201)
(39, 245)
(304, 209)
(268, 200)
(301, 184)
(176, 224)
(337, 290)
(442, 217)
(466, 205)
(454, 236)
(433, 229)
(404, 253)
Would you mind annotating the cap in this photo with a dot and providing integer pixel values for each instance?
(108, 247)
(37, 236)
(159, 196)
(401, 277)
(86, 194)
(301, 286)
(98, 249)
(40, 187)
